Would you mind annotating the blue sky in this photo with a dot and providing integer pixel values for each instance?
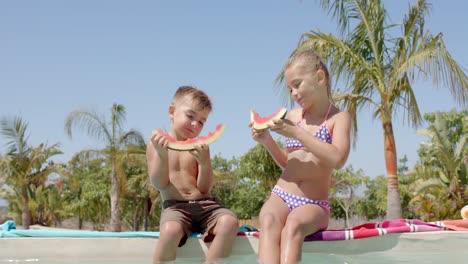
(61, 56)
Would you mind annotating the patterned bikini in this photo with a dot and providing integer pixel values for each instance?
(293, 201)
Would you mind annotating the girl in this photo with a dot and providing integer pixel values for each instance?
(317, 142)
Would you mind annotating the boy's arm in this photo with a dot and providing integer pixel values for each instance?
(205, 177)
(158, 168)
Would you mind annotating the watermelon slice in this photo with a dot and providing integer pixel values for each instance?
(189, 144)
(260, 123)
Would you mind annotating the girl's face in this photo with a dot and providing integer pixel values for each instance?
(187, 119)
(304, 84)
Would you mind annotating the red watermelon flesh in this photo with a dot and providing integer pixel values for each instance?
(259, 122)
(189, 144)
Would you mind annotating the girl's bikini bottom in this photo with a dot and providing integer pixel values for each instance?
(293, 201)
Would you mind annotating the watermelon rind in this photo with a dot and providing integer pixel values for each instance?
(261, 123)
(190, 144)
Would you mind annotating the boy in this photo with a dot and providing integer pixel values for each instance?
(184, 180)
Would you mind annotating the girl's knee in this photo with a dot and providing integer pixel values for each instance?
(269, 221)
(293, 226)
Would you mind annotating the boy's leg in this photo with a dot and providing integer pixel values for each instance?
(225, 233)
(171, 233)
(301, 222)
(272, 218)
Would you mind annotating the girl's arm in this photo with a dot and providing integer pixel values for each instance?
(335, 154)
(279, 155)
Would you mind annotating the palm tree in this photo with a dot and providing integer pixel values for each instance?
(115, 139)
(142, 197)
(442, 166)
(379, 69)
(25, 167)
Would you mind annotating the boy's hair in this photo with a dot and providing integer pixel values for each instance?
(196, 95)
(311, 59)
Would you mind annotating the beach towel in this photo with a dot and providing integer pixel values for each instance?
(373, 229)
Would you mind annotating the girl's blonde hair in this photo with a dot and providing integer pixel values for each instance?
(310, 58)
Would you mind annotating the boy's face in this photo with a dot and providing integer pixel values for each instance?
(187, 118)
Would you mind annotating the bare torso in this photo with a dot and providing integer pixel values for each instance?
(183, 175)
(304, 174)
(304, 177)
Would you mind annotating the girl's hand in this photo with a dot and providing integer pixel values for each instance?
(284, 127)
(160, 143)
(201, 153)
(261, 136)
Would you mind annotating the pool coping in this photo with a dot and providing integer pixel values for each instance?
(43, 248)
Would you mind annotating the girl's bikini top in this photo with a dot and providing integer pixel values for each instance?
(323, 133)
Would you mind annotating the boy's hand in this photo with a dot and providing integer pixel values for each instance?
(284, 127)
(160, 143)
(201, 153)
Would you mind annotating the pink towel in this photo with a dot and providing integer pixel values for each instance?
(382, 228)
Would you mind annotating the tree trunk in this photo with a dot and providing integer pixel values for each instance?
(347, 219)
(25, 214)
(393, 193)
(146, 209)
(136, 222)
(115, 208)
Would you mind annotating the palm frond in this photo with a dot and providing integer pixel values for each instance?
(118, 118)
(133, 137)
(432, 59)
(91, 122)
(14, 129)
(422, 185)
(402, 95)
(342, 10)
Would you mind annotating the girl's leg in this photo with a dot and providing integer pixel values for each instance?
(272, 218)
(171, 232)
(301, 222)
(225, 232)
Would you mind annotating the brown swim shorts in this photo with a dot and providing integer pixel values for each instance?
(197, 216)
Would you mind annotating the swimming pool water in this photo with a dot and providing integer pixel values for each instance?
(428, 247)
(444, 256)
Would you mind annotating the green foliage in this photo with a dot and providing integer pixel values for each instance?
(25, 167)
(259, 166)
(236, 192)
(141, 197)
(440, 176)
(221, 164)
(380, 64)
(116, 141)
(434, 189)
(344, 184)
(374, 203)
